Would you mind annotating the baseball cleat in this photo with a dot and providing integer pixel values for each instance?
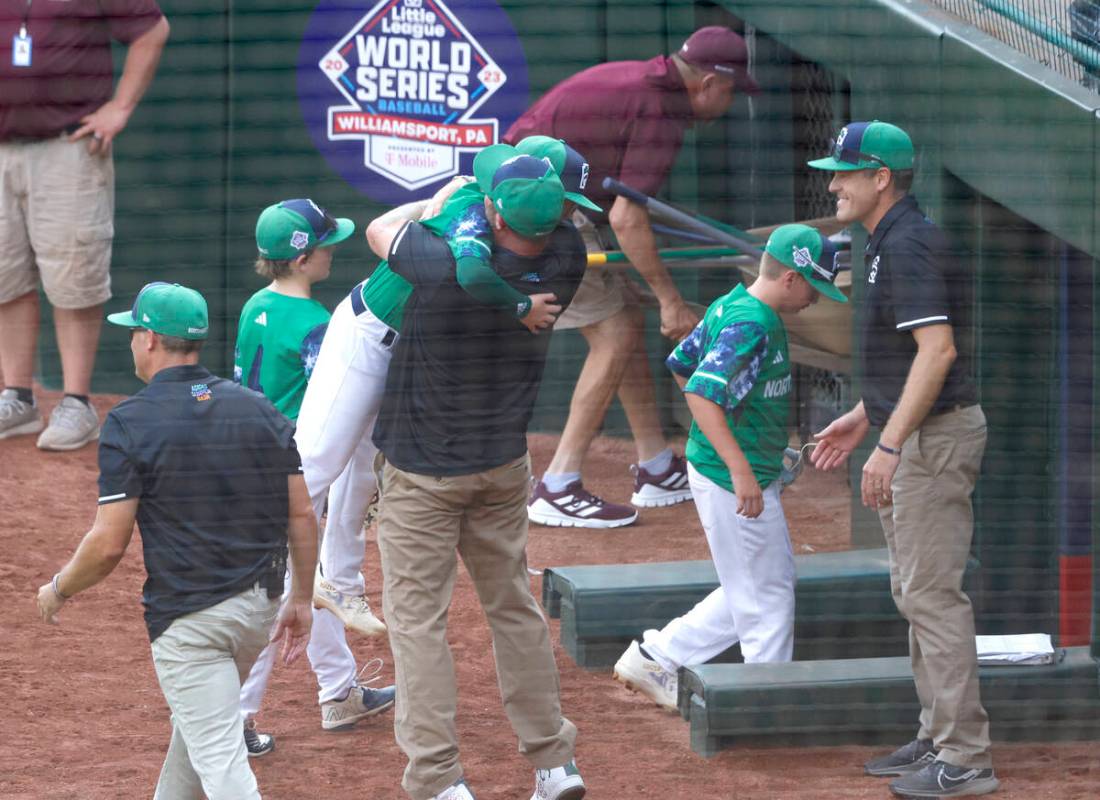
(258, 744)
(940, 779)
(16, 417)
(647, 677)
(908, 758)
(560, 783)
(72, 425)
(576, 507)
(351, 609)
(456, 791)
(664, 489)
(359, 703)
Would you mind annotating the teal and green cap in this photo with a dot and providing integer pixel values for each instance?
(868, 145)
(572, 169)
(288, 229)
(524, 190)
(168, 309)
(808, 253)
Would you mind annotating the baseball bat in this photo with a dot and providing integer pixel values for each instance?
(687, 221)
(618, 257)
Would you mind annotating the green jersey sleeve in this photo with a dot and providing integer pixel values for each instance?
(731, 365)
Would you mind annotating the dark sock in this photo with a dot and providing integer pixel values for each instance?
(83, 398)
(646, 654)
(22, 394)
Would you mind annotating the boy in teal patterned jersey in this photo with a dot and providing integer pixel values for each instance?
(735, 371)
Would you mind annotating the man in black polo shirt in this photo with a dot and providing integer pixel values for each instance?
(918, 390)
(453, 429)
(210, 472)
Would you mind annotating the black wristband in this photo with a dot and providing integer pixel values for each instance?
(889, 450)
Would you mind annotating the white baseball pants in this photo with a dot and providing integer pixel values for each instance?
(754, 603)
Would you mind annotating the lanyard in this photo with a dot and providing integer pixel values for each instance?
(26, 17)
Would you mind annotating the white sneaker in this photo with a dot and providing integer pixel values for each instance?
(560, 783)
(646, 676)
(72, 425)
(16, 417)
(353, 610)
(456, 791)
(361, 702)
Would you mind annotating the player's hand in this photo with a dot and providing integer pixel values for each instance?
(101, 127)
(837, 441)
(878, 472)
(292, 629)
(544, 310)
(435, 204)
(750, 497)
(49, 603)
(677, 319)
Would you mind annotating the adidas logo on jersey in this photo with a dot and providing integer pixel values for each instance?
(778, 357)
(262, 319)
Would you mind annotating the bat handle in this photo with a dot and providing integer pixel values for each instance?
(612, 185)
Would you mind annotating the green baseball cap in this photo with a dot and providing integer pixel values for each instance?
(524, 190)
(168, 309)
(286, 230)
(868, 145)
(808, 253)
(570, 166)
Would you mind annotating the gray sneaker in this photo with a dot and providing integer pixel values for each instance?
(72, 425)
(16, 417)
(940, 779)
(908, 758)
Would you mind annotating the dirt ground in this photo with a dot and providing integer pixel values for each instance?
(84, 717)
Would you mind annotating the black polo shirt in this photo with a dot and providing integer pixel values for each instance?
(208, 461)
(464, 376)
(914, 278)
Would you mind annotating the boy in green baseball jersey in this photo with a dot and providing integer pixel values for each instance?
(281, 326)
(735, 372)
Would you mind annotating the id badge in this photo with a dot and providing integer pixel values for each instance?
(21, 50)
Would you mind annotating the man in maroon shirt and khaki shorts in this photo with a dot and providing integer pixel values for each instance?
(628, 119)
(58, 119)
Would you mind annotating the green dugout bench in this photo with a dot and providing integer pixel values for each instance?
(843, 606)
(873, 701)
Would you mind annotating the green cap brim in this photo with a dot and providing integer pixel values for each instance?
(833, 165)
(581, 200)
(828, 289)
(123, 318)
(344, 228)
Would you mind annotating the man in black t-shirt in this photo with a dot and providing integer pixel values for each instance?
(918, 390)
(453, 429)
(210, 472)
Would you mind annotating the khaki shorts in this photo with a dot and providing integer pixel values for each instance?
(603, 292)
(57, 208)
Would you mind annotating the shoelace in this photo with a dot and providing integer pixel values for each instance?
(374, 675)
(9, 408)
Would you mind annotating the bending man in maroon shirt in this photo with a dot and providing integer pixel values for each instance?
(59, 115)
(628, 118)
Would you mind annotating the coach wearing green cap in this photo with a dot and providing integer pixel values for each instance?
(459, 394)
(175, 458)
(918, 392)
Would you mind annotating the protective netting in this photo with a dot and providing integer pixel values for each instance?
(1064, 36)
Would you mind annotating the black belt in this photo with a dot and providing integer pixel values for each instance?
(953, 409)
(358, 306)
(66, 131)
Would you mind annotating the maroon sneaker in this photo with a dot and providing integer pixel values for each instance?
(576, 507)
(665, 489)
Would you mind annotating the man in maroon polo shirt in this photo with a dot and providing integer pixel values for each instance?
(628, 119)
(58, 119)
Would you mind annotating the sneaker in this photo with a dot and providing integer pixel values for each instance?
(258, 744)
(908, 758)
(353, 610)
(576, 507)
(646, 676)
(456, 791)
(560, 783)
(664, 489)
(72, 425)
(16, 417)
(940, 779)
(359, 703)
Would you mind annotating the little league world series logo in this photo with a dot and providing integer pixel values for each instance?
(410, 89)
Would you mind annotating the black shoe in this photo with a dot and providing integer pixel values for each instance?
(258, 744)
(908, 758)
(940, 779)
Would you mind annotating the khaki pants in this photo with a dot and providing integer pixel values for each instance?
(424, 521)
(928, 531)
(200, 662)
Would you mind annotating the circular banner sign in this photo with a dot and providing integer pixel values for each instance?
(398, 95)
